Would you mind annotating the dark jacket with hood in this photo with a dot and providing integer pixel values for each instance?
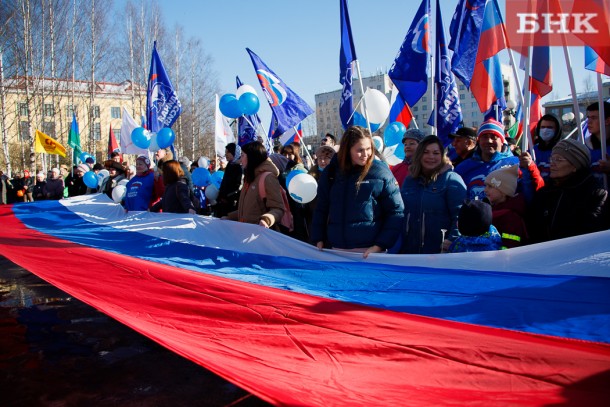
(430, 208)
(543, 149)
(570, 208)
(351, 216)
(176, 198)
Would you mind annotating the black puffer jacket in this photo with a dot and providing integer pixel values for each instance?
(571, 208)
(176, 198)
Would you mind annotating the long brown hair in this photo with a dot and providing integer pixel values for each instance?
(352, 136)
(172, 172)
(416, 170)
(257, 154)
(290, 149)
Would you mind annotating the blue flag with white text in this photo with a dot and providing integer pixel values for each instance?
(411, 68)
(162, 104)
(287, 107)
(246, 126)
(448, 110)
(347, 56)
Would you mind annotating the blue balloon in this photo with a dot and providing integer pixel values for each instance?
(229, 106)
(165, 137)
(140, 137)
(392, 136)
(291, 175)
(201, 177)
(216, 178)
(359, 120)
(249, 103)
(90, 179)
(83, 157)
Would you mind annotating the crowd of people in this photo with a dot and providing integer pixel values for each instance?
(478, 194)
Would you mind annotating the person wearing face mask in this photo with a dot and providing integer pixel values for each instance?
(546, 136)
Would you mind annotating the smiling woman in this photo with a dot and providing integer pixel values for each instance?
(433, 194)
(359, 206)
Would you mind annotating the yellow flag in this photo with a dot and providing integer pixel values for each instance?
(45, 144)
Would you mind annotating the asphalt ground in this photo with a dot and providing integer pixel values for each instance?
(57, 351)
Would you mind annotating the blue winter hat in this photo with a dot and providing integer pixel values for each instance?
(474, 218)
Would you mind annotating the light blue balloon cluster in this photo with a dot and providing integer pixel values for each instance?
(148, 140)
(233, 107)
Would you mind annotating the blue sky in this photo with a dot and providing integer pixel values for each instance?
(300, 40)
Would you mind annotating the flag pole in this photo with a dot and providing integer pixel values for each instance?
(304, 146)
(526, 105)
(602, 123)
(366, 115)
(433, 78)
(566, 54)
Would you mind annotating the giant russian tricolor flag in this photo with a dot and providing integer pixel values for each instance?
(296, 326)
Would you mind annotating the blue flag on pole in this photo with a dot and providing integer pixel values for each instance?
(465, 30)
(347, 56)
(246, 129)
(448, 110)
(287, 107)
(162, 104)
(411, 67)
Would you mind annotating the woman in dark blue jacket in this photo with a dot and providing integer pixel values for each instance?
(359, 205)
(433, 194)
(177, 196)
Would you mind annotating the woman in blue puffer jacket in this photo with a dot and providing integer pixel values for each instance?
(433, 194)
(359, 205)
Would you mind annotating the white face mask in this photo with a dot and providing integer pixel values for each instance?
(547, 134)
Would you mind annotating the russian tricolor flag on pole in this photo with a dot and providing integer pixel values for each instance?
(399, 109)
(292, 136)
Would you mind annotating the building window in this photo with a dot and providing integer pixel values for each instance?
(48, 128)
(117, 135)
(415, 108)
(24, 131)
(97, 131)
(424, 107)
(115, 112)
(424, 99)
(49, 110)
(462, 96)
(69, 110)
(473, 104)
(462, 87)
(95, 112)
(22, 108)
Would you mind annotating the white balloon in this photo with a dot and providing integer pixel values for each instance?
(154, 147)
(244, 89)
(118, 193)
(211, 192)
(378, 143)
(123, 182)
(101, 176)
(203, 162)
(377, 105)
(303, 188)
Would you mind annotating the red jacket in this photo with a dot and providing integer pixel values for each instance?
(508, 219)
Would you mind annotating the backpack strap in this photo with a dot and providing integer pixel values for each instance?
(262, 192)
